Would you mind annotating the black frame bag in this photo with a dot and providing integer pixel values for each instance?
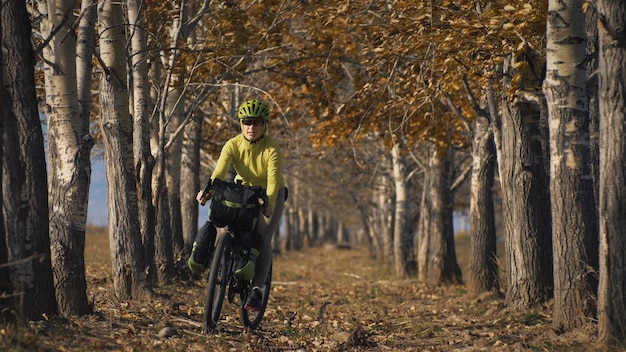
(235, 205)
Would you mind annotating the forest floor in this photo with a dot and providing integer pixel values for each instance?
(322, 299)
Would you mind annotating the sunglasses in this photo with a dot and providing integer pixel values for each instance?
(252, 122)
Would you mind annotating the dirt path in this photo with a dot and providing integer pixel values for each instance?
(323, 299)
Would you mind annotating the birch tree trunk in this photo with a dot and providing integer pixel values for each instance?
(24, 180)
(163, 253)
(189, 181)
(284, 245)
(574, 231)
(166, 181)
(85, 46)
(127, 254)
(175, 112)
(69, 148)
(298, 243)
(483, 266)
(525, 201)
(369, 222)
(423, 240)
(311, 221)
(437, 258)
(612, 98)
(384, 222)
(404, 262)
(141, 107)
(296, 236)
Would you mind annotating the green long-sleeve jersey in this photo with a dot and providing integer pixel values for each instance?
(258, 163)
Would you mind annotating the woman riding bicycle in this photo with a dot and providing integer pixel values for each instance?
(257, 160)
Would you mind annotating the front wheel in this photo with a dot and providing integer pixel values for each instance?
(253, 319)
(219, 276)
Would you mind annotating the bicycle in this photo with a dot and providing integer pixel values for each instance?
(230, 254)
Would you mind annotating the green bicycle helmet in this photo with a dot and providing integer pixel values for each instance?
(254, 109)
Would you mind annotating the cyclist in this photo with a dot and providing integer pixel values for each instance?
(257, 160)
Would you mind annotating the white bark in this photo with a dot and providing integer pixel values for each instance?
(571, 183)
(402, 245)
(85, 46)
(124, 237)
(382, 224)
(69, 147)
(141, 107)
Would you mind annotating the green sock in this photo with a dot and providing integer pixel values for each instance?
(247, 271)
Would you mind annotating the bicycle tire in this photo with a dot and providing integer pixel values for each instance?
(219, 277)
(252, 319)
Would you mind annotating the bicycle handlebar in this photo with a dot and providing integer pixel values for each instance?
(262, 201)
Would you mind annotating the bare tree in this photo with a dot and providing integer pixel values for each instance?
(404, 261)
(141, 104)
(524, 180)
(483, 267)
(175, 111)
(129, 277)
(69, 148)
(189, 181)
(85, 46)
(436, 257)
(574, 232)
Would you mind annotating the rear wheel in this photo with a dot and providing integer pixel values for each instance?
(219, 276)
(252, 319)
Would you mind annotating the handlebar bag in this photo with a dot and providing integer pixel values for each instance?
(235, 205)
